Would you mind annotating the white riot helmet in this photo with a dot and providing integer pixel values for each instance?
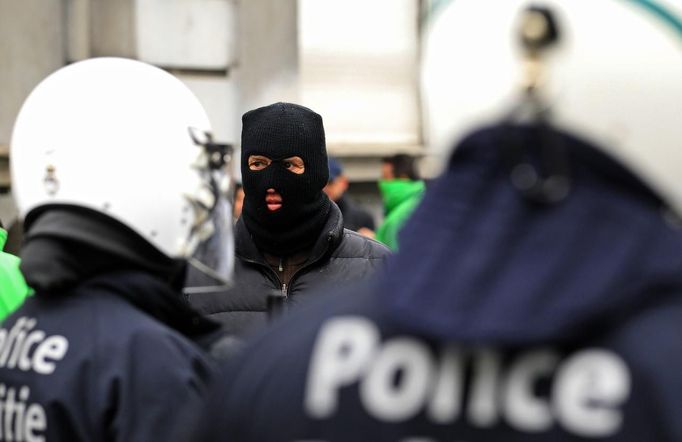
(613, 77)
(128, 140)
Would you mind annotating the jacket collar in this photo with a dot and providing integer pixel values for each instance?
(57, 267)
(154, 297)
(329, 239)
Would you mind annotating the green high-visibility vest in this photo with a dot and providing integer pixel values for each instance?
(13, 288)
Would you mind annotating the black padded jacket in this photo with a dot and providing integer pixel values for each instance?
(339, 256)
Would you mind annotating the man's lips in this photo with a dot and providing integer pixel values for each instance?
(274, 202)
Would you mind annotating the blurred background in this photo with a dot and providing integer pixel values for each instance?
(355, 62)
(373, 69)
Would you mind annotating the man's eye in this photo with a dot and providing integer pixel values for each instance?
(293, 165)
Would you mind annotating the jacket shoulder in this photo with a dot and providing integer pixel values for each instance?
(648, 343)
(354, 245)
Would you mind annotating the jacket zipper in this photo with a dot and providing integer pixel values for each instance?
(284, 287)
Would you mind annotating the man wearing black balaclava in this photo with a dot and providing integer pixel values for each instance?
(284, 168)
(290, 237)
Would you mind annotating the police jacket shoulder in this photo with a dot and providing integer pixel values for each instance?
(652, 354)
(338, 256)
(327, 372)
(92, 364)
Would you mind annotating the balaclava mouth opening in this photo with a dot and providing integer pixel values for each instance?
(280, 131)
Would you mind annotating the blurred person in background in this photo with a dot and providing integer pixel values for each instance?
(15, 235)
(13, 288)
(537, 294)
(290, 236)
(355, 218)
(401, 191)
(107, 348)
(238, 201)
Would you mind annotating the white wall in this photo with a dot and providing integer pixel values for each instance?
(33, 45)
(196, 40)
(359, 65)
(186, 33)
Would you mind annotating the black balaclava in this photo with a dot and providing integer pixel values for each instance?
(279, 131)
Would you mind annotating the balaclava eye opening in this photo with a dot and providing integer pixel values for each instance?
(280, 131)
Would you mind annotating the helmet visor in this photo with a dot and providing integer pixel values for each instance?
(211, 260)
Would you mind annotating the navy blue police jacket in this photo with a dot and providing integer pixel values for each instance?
(109, 360)
(499, 320)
